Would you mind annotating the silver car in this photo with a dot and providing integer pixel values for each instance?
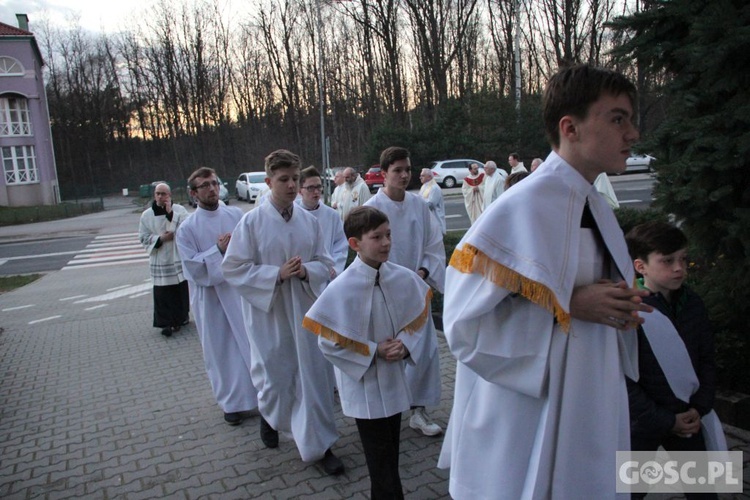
(451, 173)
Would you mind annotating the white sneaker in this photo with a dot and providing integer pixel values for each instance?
(421, 422)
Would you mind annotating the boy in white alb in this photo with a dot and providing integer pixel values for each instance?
(311, 190)
(277, 261)
(418, 246)
(371, 348)
(542, 321)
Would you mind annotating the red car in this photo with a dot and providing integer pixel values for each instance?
(374, 178)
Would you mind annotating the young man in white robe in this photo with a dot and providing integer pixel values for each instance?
(354, 192)
(494, 181)
(371, 349)
(540, 313)
(156, 231)
(417, 244)
(202, 240)
(311, 190)
(473, 191)
(433, 196)
(278, 262)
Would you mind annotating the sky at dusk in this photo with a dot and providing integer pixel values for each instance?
(95, 15)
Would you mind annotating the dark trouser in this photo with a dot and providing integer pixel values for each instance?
(171, 305)
(672, 442)
(380, 441)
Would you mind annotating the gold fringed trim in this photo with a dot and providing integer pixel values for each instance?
(420, 320)
(329, 334)
(470, 259)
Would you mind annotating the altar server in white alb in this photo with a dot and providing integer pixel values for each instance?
(311, 190)
(370, 349)
(417, 244)
(278, 262)
(543, 346)
(494, 182)
(202, 240)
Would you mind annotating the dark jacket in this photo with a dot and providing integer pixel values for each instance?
(653, 405)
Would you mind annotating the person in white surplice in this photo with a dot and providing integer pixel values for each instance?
(311, 190)
(278, 262)
(417, 244)
(494, 183)
(431, 194)
(371, 349)
(540, 314)
(202, 241)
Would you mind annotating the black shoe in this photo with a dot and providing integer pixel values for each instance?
(167, 332)
(268, 435)
(331, 464)
(233, 418)
(176, 328)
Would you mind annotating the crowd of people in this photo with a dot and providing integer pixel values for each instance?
(542, 311)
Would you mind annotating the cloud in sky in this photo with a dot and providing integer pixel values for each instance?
(95, 15)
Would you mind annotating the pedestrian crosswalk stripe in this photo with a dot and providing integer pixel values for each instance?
(109, 250)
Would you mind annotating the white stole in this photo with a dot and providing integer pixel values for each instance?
(674, 360)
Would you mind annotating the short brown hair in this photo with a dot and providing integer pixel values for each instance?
(307, 173)
(654, 236)
(281, 158)
(362, 220)
(199, 174)
(572, 91)
(391, 155)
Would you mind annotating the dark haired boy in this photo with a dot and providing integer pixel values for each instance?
(540, 314)
(371, 349)
(417, 245)
(277, 261)
(677, 382)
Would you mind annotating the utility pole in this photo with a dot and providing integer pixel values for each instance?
(325, 166)
(517, 56)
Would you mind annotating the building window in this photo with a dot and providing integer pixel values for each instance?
(10, 67)
(14, 116)
(19, 164)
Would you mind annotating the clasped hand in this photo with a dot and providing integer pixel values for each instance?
(392, 350)
(612, 304)
(293, 267)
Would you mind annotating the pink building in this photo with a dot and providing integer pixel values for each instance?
(26, 153)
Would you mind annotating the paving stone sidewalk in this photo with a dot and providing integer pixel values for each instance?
(96, 404)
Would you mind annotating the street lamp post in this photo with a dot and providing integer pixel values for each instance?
(321, 96)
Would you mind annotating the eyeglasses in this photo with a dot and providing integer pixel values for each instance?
(314, 188)
(207, 185)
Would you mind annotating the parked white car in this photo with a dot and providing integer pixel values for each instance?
(249, 185)
(639, 163)
(451, 173)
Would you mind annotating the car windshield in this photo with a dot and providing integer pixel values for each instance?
(433, 165)
(256, 179)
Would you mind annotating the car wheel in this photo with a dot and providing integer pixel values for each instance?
(449, 182)
(239, 198)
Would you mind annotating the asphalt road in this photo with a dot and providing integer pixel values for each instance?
(110, 238)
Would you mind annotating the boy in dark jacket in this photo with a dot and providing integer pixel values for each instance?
(658, 416)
